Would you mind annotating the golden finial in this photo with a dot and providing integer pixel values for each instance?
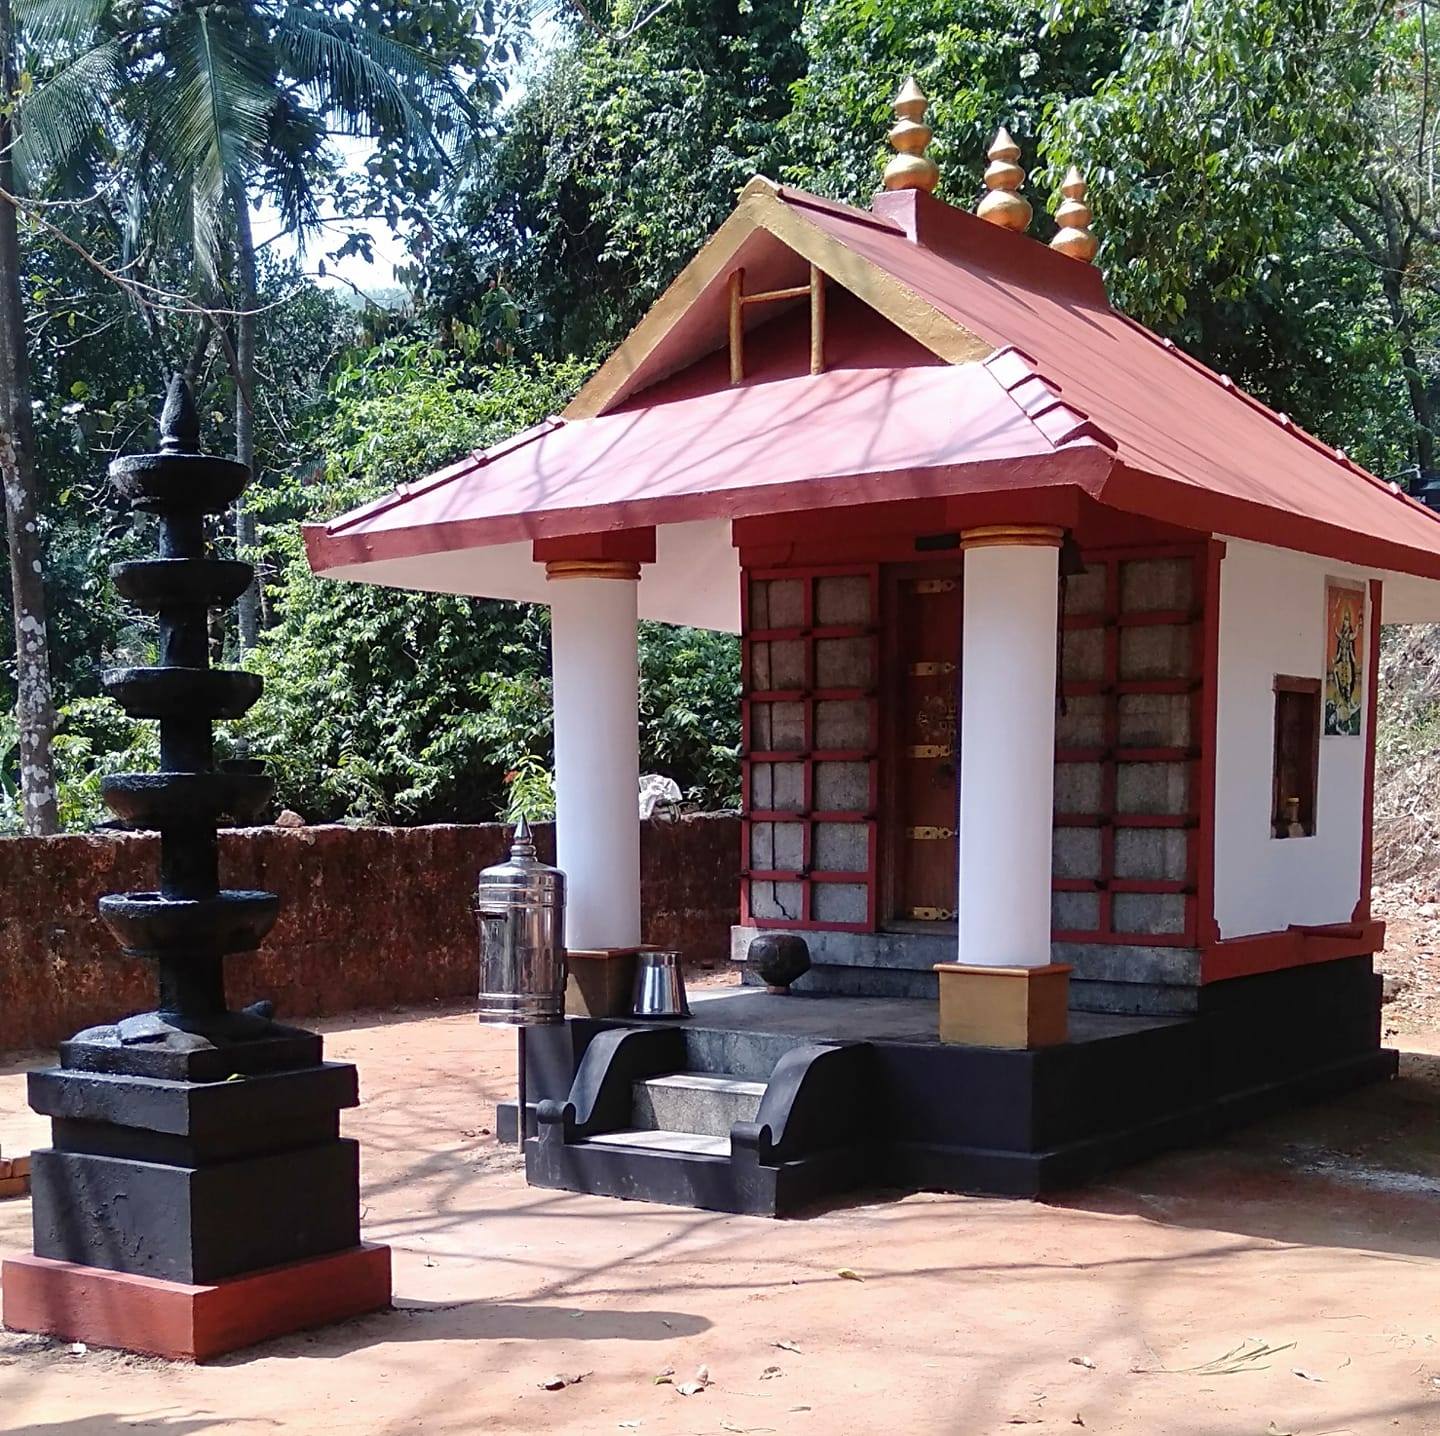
(1003, 178)
(1074, 237)
(911, 167)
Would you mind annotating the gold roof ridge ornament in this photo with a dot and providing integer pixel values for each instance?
(1003, 204)
(1074, 236)
(910, 167)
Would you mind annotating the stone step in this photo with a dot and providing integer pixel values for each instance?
(703, 1103)
(695, 1144)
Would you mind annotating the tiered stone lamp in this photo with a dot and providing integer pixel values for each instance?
(198, 1196)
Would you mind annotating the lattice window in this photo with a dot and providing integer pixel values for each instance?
(811, 737)
(1127, 749)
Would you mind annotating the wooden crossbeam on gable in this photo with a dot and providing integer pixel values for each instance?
(657, 346)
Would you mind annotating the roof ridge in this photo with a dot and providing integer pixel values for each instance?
(1058, 421)
(805, 200)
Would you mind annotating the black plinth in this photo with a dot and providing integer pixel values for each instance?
(194, 1182)
(193, 1144)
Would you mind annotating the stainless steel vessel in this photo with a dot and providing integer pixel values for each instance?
(659, 985)
(520, 908)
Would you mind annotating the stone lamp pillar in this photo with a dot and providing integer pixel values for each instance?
(1004, 991)
(198, 1196)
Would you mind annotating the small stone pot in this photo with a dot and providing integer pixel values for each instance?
(777, 959)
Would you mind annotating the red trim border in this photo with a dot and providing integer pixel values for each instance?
(1372, 718)
(1294, 947)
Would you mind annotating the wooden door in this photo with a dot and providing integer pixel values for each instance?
(925, 694)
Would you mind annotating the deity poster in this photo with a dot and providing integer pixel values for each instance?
(1344, 658)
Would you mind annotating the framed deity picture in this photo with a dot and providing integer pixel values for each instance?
(1344, 658)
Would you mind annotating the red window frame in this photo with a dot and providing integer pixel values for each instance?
(809, 632)
(1109, 755)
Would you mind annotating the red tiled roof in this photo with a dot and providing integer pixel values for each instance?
(836, 438)
(1094, 400)
(1226, 462)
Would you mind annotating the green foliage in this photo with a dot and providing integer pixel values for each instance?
(984, 63)
(386, 706)
(622, 158)
(1264, 175)
(1225, 152)
(690, 711)
(94, 739)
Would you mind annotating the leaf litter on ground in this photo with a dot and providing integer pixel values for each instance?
(559, 1381)
(695, 1387)
(1247, 1356)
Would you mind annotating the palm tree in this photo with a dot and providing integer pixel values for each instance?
(205, 106)
(34, 697)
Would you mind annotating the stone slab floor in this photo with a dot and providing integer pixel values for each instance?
(1140, 1306)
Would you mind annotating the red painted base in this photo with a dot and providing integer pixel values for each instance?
(191, 1323)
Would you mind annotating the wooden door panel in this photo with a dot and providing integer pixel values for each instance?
(925, 727)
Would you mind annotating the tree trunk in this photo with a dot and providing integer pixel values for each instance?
(1423, 444)
(249, 606)
(35, 699)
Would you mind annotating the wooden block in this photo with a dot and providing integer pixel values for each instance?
(7, 1168)
(14, 1186)
(1015, 1007)
(20, 1166)
(599, 982)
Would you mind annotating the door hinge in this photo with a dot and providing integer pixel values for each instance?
(929, 834)
(930, 670)
(934, 585)
(930, 750)
(932, 914)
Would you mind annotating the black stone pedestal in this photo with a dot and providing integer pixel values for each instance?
(194, 1182)
(198, 1196)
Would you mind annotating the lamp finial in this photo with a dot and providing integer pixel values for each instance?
(1073, 216)
(910, 167)
(1003, 204)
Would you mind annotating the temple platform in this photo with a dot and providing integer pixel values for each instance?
(768, 1104)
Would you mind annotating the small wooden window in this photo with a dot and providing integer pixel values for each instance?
(1297, 756)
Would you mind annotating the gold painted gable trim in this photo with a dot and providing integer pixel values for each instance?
(762, 208)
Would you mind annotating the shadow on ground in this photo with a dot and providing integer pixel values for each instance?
(478, 1321)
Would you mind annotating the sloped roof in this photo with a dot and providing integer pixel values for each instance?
(1041, 382)
(835, 438)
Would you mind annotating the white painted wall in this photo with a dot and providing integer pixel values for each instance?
(695, 578)
(1272, 621)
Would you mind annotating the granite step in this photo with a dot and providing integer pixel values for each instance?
(700, 1103)
(693, 1144)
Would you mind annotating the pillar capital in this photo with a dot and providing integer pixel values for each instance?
(1012, 536)
(615, 553)
(612, 568)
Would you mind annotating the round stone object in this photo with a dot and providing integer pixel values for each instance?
(778, 958)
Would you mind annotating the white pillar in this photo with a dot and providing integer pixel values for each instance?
(597, 750)
(1007, 746)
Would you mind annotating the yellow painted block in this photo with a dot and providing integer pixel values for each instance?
(1016, 1007)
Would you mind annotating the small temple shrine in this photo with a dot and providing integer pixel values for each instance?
(1060, 666)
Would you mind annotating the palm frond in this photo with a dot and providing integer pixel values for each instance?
(62, 120)
(47, 24)
(211, 112)
(368, 83)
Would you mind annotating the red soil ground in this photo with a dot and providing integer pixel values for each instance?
(1133, 1307)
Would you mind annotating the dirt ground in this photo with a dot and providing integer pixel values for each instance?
(1142, 1305)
